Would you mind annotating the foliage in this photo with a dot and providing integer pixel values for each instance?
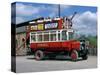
(92, 40)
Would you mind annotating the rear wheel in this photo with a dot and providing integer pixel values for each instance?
(74, 55)
(39, 55)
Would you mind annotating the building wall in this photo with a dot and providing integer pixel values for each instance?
(21, 44)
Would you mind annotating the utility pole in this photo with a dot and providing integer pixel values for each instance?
(59, 10)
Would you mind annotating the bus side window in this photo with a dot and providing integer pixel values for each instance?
(39, 37)
(58, 35)
(33, 37)
(64, 35)
(70, 35)
(46, 36)
(53, 36)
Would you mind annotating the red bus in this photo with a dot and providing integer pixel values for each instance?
(52, 39)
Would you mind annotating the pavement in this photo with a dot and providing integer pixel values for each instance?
(29, 64)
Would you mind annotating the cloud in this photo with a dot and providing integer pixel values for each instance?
(64, 7)
(31, 11)
(86, 23)
(25, 10)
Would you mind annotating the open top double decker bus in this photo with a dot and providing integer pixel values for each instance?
(55, 37)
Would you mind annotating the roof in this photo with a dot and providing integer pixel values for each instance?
(41, 18)
(27, 22)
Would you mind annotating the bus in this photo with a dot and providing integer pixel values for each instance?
(55, 42)
(52, 37)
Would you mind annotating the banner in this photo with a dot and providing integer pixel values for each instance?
(34, 27)
(40, 26)
(51, 25)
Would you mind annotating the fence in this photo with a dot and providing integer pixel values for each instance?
(93, 51)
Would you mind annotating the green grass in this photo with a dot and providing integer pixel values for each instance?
(93, 41)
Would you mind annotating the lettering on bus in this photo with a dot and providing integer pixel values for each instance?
(42, 45)
(51, 25)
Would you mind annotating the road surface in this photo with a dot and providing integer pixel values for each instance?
(29, 64)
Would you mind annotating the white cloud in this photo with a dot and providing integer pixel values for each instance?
(29, 10)
(48, 8)
(64, 7)
(26, 10)
(86, 23)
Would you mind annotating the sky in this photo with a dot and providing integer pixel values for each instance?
(85, 21)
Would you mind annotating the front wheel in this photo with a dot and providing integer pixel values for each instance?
(74, 55)
(39, 55)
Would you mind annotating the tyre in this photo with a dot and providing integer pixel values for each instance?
(39, 55)
(74, 55)
(85, 57)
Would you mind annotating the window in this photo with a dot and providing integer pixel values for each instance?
(46, 36)
(58, 35)
(33, 37)
(64, 35)
(53, 36)
(39, 36)
(70, 35)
